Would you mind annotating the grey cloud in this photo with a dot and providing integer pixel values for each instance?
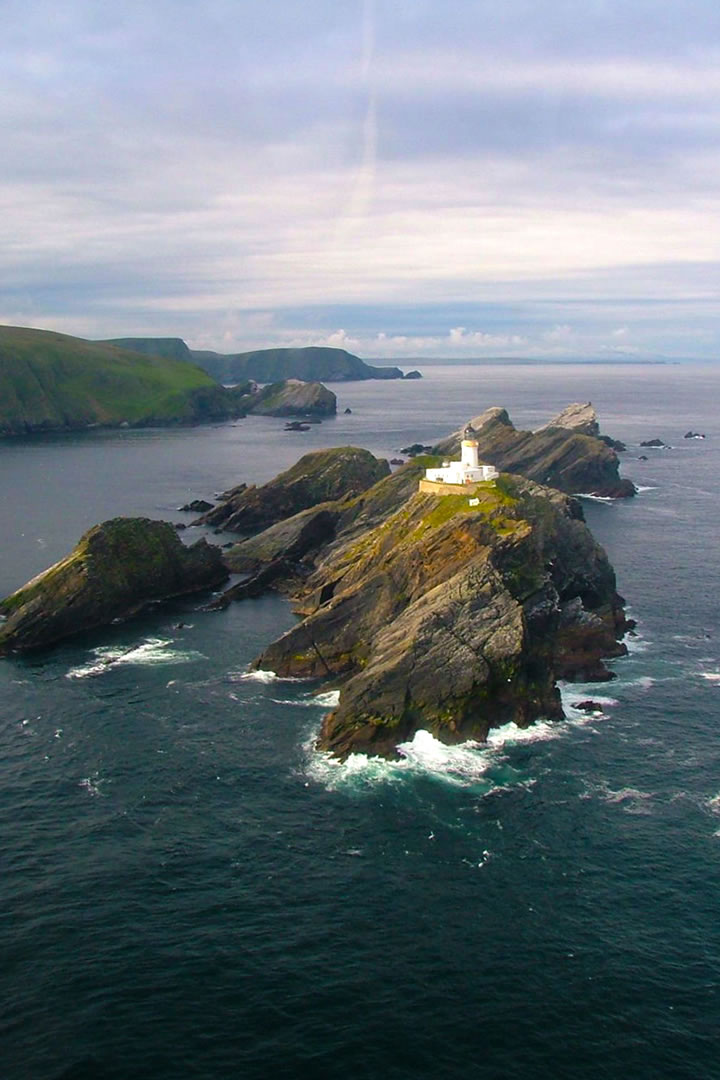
(179, 165)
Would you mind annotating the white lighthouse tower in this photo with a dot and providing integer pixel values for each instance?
(454, 474)
(469, 449)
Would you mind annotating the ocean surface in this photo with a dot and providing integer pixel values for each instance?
(189, 890)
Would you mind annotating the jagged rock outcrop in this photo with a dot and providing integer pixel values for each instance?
(558, 455)
(115, 570)
(432, 613)
(292, 397)
(288, 540)
(317, 477)
(580, 417)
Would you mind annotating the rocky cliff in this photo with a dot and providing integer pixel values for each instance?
(115, 569)
(566, 454)
(293, 397)
(432, 612)
(316, 478)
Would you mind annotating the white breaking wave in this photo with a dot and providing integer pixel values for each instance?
(710, 676)
(510, 734)
(571, 692)
(642, 488)
(462, 765)
(261, 677)
(151, 652)
(328, 700)
(595, 498)
(714, 804)
(644, 682)
(636, 643)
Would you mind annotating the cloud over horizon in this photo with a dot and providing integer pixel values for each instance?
(409, 179)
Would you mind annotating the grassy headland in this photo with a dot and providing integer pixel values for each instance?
(51, 381)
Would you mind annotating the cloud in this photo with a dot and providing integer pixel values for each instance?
(210, 175)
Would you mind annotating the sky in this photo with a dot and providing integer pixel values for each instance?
(401, 178)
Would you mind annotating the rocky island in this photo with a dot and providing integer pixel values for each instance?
(115, 570)
(568, 453)
(444, 612)
(293, 397)
(429, 605)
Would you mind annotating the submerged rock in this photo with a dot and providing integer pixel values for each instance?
(416, 448)
(197, 506)
(115, 570)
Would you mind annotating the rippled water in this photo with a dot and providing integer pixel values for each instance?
(190, 890)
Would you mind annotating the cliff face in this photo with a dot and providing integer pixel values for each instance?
(115, 569)
(174, 348)
(271, 365)
(450, 617)
(51, 382)
(565, 454)
(317, 477)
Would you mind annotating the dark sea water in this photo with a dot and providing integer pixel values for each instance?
(188, 890)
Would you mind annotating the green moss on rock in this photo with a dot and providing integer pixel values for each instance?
(115, 569)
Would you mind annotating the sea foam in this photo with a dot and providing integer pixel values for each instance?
(153, 651)
(329, 700)
(462, 765)
(466, 764)
(261, 677)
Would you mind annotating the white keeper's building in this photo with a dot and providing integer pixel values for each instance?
(468, 470)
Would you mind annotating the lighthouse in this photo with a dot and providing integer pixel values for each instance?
(469, 449)
(456, 475)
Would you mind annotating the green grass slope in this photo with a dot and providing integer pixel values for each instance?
(311, 363)
(51, 381)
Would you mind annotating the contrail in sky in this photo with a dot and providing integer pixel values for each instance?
(362, 190)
